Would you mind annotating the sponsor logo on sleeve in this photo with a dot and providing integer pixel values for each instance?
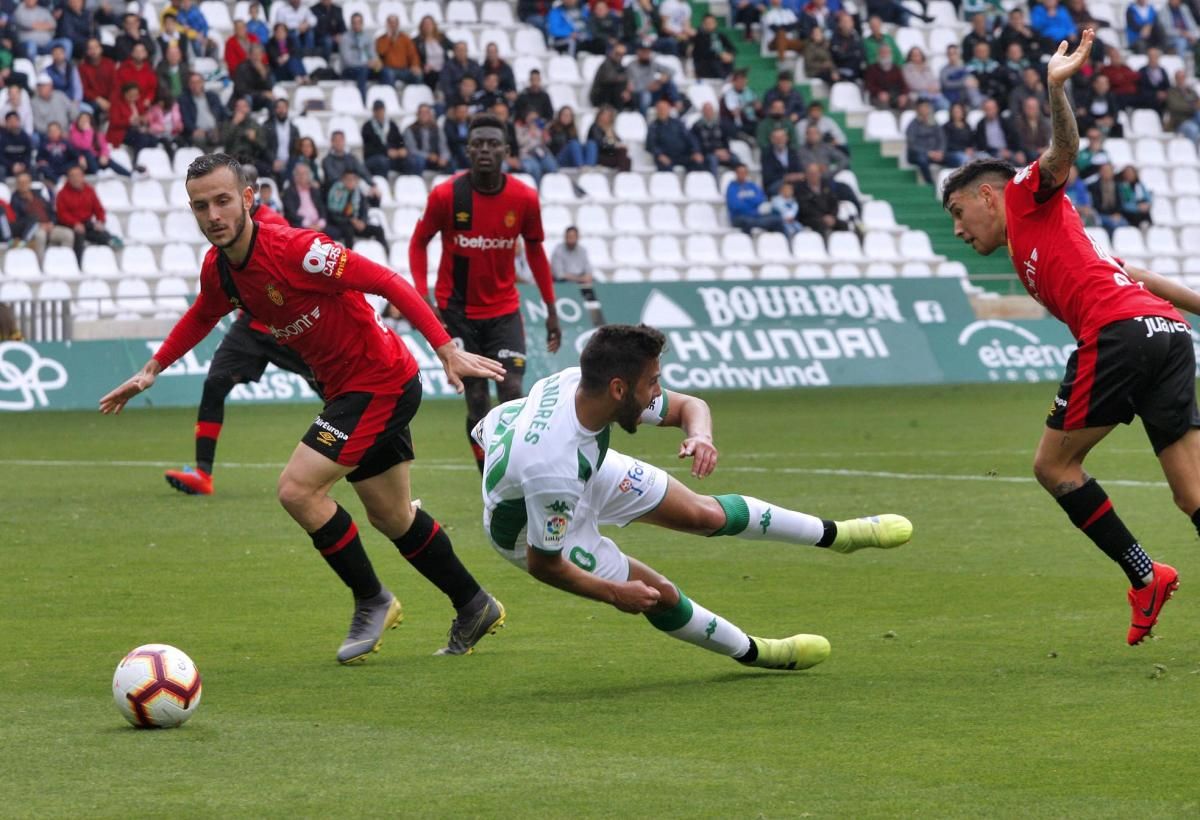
(328, 258)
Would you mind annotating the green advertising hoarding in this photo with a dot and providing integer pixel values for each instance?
(721, 335)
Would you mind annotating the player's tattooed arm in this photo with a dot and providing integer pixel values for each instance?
(1056, 162)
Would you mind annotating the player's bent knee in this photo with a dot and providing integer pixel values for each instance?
(708, 514)
(293, 495)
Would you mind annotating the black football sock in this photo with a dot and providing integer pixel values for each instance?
(338, 542)
(1196, 521)
(427, 547)
(209, 421)
(1091, 511)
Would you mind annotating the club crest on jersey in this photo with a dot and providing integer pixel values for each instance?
(274, 295)
(463, 217)
(510, 219)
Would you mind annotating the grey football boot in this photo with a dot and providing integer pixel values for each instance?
(372, 617)
(482, 616)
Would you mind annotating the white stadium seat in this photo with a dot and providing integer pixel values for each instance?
(1127, 241)
(148, 195)
(179, 258)
(737, 247)
(594, 220)
(664, 250)
(112, 193)
(664, 218)
(61, 263)
(808, 246)
(664, 187)
(879, 246)
(845, 247)
(700, 186)
(15, 292)
(773, 247)
(22, 263)
(595, 184)
(629, 219)
(702, 249)
(629, 251)
(701, 217)
(915, 246)
(557, 188)
(99, 261)
(630, 187)
(182, 227)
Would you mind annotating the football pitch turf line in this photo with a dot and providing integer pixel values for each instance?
(460, 466)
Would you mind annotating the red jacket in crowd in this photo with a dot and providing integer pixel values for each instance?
(98, 80)
(78, 207)
(145, 77)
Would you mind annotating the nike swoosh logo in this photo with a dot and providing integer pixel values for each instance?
(1149, 611)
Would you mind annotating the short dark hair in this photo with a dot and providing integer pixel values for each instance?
(973, 172)
(205, 164)
(484, 120)
(618, 352)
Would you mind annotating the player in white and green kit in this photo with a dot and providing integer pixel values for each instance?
(550, 480)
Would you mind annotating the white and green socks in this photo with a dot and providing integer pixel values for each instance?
(753, 518)
(692, 623)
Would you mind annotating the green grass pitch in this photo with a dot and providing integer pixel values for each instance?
(980, 671)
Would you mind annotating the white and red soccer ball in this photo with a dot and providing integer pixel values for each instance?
(156, 686)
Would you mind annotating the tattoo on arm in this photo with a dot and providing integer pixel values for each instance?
(1064, 140)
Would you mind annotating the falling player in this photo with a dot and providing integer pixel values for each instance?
(551, 480)
(1134, 355)
(309, 292)
(480, 215)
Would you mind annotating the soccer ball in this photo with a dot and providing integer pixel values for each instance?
(156, 686)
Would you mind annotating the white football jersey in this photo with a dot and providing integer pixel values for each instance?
(539, 461)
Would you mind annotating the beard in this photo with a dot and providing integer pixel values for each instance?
(628, 414)
(238, 227)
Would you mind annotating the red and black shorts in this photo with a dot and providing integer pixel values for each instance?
(368, 431)
(501, 337)
(244, 354)
(1145, 367)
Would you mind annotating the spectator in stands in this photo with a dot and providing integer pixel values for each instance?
(64, 76)
(434, 48)
(780, 163)
(494, 64)
(784, 205)
(641, 22)
(981, 32)
(383, 149)
(1183, 108)
(818, 59)
(1106, 199)
(925, 141)
(1032, 128)
(1179, 27)
(534, 12)
(303, 204)
(1077, 191)
(745, 200)
(816, 149)
(282, 138)
(1142, 27)
(133, 31)
(921, 81)
(1153, 83)
(674, 27)
(534, 98)
(34, 211)
(1123, 80)
(994, 135)
(1097, 106)
(468, 94)
(776, 119)
(128, 120)
(346, 210)
(16, 99)
(267, 197)
(1030, 88)
(1053, 24)
(458, 66)
(299, 21)
(747, 13)
(533, 147)
(93, 147)
(256, 24)
(1136, 198)
(876, 40)
(399, 53)
(566, 27)
(960, 137)
(426, 142)
(847, 49)
(566, 145)
(76, 25)
(651, 81)
(137, 70)
(456, 125)
(306, 154)
(782, 29)
(1092, 155)
(670, 143)
(171, 35)
(253, 79)
(818, 206)
(339, 159)
(988, 73)
(238, 46)
(171, 74)
(820, 15)
(953, 76)
(885, 83)
(785, 90)
(891, 11)
(570, 262)
(49, 106)
(713, 138)
(97, 75)
(202, 113)
(56, 155)
(739, 105)
(612, 152)
(603, 27)
(712, 52)
(611, 85)
(331, 25)
(831, 132)
(35, 27)
(490, 94)
(244, 139)
(1012, 69)
(1018, 30)
(194, 27)
(79, 209)
(360, 61)
(285, 58)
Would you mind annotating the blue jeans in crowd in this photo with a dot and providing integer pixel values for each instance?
(574, 155)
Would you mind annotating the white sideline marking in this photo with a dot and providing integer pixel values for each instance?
(454, 466)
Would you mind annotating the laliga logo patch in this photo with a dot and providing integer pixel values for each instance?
(556, 529)
(274, 295)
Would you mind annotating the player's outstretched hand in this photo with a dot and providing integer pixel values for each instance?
(553, 333)
(115, 401)
(459, 364)
(1063, 66)
(635, 597)
(702, 451)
